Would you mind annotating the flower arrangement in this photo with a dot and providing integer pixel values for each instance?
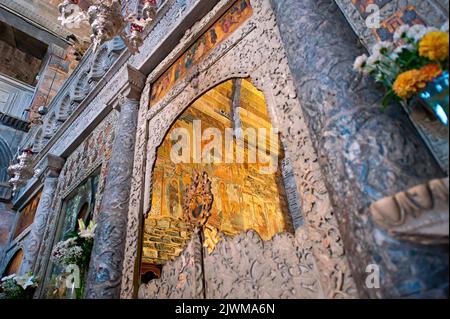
(18, 287)
(67, 252)
(75, 249)
(418, 55)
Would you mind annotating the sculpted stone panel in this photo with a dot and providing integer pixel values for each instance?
(246, 267)
(419, 215)
(92, 154)
(78, 86)
(243, 267)
(255, 51)
(365, 154)
(181, 278)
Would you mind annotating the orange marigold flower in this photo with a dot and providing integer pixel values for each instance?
(430, 72)
(435, 46)
(411, 82)
(406, 84)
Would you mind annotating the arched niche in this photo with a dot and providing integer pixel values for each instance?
(5, 158)
(226, 133)
(14, 263)
(253, 50)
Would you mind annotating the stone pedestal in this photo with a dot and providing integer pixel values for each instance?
(365, 153)
(105, 271)
(52, 168)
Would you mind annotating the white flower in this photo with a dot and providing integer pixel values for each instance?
(70, 242)
(9, 277)
(417, 32)
(398, 50)
(360, 63)
(401, 32)
(374, 59)
(444, 27)
(382, 48)
(26, 281)
(66, 252)
(86, 232)
(431, 29)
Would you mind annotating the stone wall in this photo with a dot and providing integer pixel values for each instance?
(7, 218)
(17, 64)
(164, 239)
(56, 69)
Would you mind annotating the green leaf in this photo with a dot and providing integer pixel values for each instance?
(388, 98)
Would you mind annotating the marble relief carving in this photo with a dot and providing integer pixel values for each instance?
(181, 278)
(419, 215)
(365, 154)
(255, 51)
(246, 267)
(92, 154)
(70, 96)
(243, 267)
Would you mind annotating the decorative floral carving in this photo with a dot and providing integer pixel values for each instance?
(198, 200)
(22, 171)
(243, 267)
(254, 50)
(181, 278)
(212, 238)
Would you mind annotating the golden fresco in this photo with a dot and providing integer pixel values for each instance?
(27, 215)
(245, 197)
(14, 264)
(218, 33)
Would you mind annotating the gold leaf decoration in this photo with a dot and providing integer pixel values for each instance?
(212, 238)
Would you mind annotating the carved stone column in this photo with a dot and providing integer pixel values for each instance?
(105, 271)
(365, 154)
(52, 168)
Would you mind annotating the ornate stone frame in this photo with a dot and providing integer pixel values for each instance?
(44, 265)
(255, 51)
(19, 242)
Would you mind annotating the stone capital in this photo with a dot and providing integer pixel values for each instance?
(52, 165)
(135, 84)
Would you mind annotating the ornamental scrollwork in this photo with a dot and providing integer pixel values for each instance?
(198, 200)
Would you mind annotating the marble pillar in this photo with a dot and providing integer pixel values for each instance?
(50, 173)
(365, 153)
(105, 271)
